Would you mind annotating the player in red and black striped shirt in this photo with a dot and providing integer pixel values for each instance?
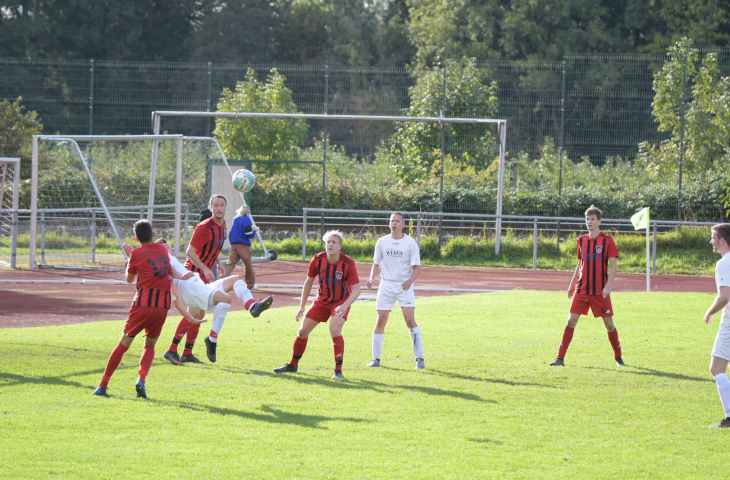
(339, 286)
(150, 263)
(203, 250)
(590, 287)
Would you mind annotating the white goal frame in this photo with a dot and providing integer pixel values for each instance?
(441, 120)
(5, 164)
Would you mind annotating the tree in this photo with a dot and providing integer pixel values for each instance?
(415, 146)
(697, 82)
(16, 133)
(260, 139)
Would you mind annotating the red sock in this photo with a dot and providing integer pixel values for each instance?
(145, 362)
(300, 344)
(193, 330)
(248, 304)
(180, 332)
(114, 360)
(613, 338)
(338, 345)
(567, 337)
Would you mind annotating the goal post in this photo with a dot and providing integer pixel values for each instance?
(440, 120)
(9, 199)
(87, 191)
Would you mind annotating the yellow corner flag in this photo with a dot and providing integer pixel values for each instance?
(641, 219)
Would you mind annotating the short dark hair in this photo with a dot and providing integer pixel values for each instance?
(205, 215)
(723, 231)
(594, 210)
(214, 197)
(143, 231)
(398, 213)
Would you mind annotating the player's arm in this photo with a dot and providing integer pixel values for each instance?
(415, 272)
(130, 270)
(130, 275)
(722, 299)
(342, 309)
(374, 273)
(193, 256)
(306, 290)
(182, 308)
(571, 287)
(611, 275)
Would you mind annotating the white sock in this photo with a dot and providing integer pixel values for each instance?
(219, 316)
(723, 388)
(378, 345)
(416, 339)
(242, 291)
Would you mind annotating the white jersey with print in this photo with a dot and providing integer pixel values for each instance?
(194, 292)
(396, 257)
(722, 279)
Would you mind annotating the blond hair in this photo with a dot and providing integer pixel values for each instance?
(333, 233)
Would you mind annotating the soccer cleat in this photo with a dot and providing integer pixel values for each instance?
(374, 363)
(420, 364)
(257, 308)
(620, 362)
(101, 391)
(338, 375)
(558, 362)
(190, 359)
(174, 358)
(210, 349)
(723, 424)
(141, 391)
(287, 368)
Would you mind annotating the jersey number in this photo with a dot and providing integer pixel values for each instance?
(159, 266)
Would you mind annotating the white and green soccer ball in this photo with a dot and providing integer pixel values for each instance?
(243, 180)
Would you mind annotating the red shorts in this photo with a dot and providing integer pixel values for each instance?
(600, 306)
(321, 312)
(148, 319)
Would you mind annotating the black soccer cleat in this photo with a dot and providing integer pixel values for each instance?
(210, 349)
(558, 362)
(723, 424)
(190, 359)
(287, 368)
(620, 362)
(257, 308)
(338, 375)
(141, 390)
(173, 358)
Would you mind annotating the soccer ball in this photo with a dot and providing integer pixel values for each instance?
(243, 180)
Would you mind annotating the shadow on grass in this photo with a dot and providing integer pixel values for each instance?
(11, 379)
(634, 370)
(269, 414)
(488, 380)
(373, 386)
(485, 440)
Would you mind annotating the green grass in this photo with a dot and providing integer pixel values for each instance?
(684, 251)
(487, 405)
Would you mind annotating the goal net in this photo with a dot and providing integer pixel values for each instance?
(9, 194)
(88, 191)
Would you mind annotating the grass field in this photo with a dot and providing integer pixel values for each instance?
(486, 406)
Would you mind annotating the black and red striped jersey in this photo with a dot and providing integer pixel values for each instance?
(208, 239)
(151, 263)
(593, 255)
(335, 279)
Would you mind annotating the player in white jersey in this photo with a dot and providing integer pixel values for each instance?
(199, 298)
(721, 350)
(398, 262)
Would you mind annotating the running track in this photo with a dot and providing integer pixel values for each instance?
(57, 297)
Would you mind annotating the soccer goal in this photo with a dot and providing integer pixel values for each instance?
(9, 195)
(500, 136)
(88, 191)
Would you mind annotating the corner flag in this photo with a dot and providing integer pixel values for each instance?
(641, 219)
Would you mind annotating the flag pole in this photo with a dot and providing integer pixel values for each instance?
(648, 281)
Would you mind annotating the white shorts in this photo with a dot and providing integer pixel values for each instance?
(389, 292)
(721, 348)
(197, 294)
